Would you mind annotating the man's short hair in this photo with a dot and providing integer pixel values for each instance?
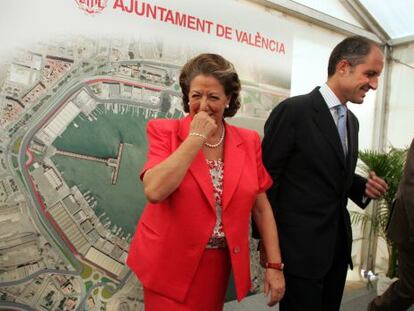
(353, 49)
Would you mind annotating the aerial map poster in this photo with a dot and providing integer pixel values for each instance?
(79, 80)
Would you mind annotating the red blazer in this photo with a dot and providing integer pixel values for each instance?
(171, 236)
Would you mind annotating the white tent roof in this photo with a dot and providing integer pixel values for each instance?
(396, 17)
(387, 22)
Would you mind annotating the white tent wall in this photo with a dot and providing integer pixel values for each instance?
(401, 93)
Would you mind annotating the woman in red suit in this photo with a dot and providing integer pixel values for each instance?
(203, 179)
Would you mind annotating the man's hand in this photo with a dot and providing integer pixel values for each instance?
(375, 186)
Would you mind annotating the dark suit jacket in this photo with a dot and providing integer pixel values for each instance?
(401, 226)
(312, 182)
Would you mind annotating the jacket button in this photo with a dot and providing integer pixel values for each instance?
(236, 250)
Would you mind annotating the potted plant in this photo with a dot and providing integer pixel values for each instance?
(389, 166)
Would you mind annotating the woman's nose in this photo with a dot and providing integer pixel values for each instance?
(203, 104)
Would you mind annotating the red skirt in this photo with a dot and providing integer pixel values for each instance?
(207, 290)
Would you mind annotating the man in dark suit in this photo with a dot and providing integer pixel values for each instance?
(310, 148)
(400, 295)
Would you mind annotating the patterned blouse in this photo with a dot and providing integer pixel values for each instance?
(217, 239)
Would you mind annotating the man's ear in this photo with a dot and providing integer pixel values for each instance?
(342, 66)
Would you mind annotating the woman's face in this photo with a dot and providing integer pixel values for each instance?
(207, 94)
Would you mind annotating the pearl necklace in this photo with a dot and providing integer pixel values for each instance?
(219, 142)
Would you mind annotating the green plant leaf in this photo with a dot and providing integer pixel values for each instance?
(389, 166)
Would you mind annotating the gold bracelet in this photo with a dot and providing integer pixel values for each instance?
(198, 135)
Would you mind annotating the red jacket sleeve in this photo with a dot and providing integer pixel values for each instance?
(264, 179)
(159, 144)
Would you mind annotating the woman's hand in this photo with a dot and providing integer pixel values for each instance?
(164, 178)
(274, 284)
(203, 124)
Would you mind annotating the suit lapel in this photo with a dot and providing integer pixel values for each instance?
(234, 157)
(198, 167)
(323, 119)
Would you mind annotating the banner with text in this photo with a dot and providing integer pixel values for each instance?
(79, 80)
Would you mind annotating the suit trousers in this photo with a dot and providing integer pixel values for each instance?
(400, 295)
(324, 294)
(207, 290)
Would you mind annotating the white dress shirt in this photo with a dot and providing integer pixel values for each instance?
(332, 101)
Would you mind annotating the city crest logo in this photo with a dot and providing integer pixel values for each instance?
(92, 6)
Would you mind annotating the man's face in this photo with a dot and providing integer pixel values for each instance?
(357, 80)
